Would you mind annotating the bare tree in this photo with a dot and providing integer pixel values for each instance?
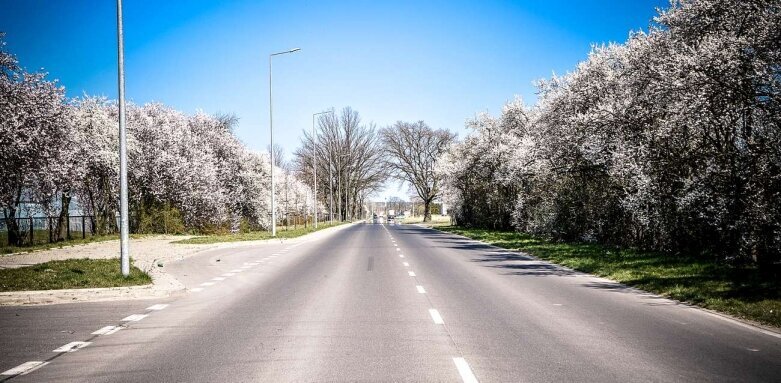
(413, 150)
(349, 161)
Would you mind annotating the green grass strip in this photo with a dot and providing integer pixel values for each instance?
(70, 274)
(742, 292)
(282, 232)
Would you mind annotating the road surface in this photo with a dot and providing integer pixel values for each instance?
(383, 303)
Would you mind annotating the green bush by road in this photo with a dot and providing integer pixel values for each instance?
(742, 292)
(70, 274)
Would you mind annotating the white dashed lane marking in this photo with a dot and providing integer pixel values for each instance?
(134, 317)
(197, 289)
(218, 279)
(72, 346)
(108, 330)
(463, 369)
(435, 316)
(157, 307)
(24, 368)
(401, 255)
(207, 284)
(420, 289)
(405, 264)
(411, 273)
(228, 274)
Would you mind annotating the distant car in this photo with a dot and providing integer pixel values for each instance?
(391, 219)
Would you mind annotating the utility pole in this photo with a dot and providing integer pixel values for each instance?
(271, 130)
(124, 229)
(314, 162)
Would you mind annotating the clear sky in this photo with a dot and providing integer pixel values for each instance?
(437, 61)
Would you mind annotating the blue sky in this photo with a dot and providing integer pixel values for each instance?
(437, 61)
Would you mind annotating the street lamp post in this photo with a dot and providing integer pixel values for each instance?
(124, 229)
(271, 129)
(314, 161)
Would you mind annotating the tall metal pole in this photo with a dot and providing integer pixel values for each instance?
(331, 186)
(314, 161)
(271, 130)
(271, 149)
(314, 169)
(124, 228)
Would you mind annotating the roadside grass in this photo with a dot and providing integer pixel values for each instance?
(436, 220)
(282, 232)
(6, 249)
(70, 274)
(742, 292)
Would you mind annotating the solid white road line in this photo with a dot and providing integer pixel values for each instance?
(157, 307)
(207, 284)
(435, 316)
(108, 330)
(218, 279)
(197, 289)
(463, 369)
(405, 264)
(134, 317)
(411, 273)
(72, 346)
(420, 289)
(24, 368)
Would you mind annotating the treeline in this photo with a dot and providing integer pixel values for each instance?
(189, 171)
(670, 141)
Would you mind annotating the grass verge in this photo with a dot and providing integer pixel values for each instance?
(6, 249)
(70, 274)
(282, 232)
(742, 292)
(436, 220)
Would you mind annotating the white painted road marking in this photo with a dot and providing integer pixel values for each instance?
(228, 275)
(435, 316)
(134, 318)
(420, 289)
(157, 307)
(401, 255)
(108, 330)
(218, 279)
(72, 346)
(207, 284)
(397, 249)
(197, 289)
(405, 264)
(24, 368)
(463, 369)
(411, 273)
(236, 271)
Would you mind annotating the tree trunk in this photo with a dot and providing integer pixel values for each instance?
(14, 238)
(64, 219)
(427, 210)
(11, 224)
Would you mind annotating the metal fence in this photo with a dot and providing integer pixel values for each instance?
(40, 230)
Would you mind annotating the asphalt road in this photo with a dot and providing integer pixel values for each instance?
(386, 303)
